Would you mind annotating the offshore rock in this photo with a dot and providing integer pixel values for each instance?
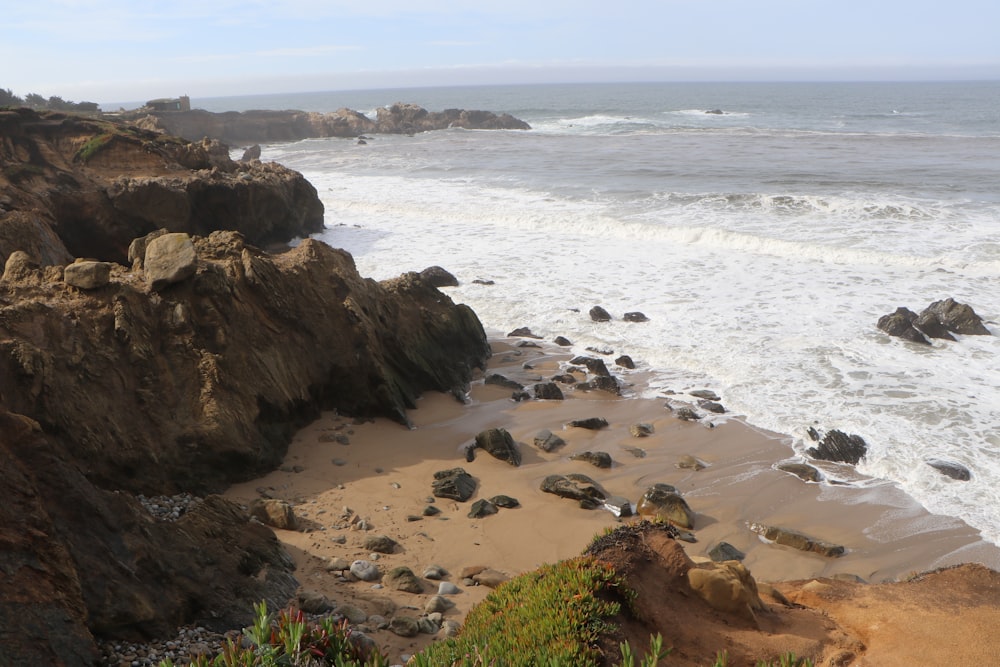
(900, 324)
(959, 318)
(839, 446)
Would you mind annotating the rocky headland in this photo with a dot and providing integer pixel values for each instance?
(248, 127)
(145, 351)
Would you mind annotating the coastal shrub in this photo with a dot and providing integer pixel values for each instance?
(551, 616)
(93, 147)
(289, 640)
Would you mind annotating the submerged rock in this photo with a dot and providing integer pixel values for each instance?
(598, 314)
(841, 447)
(951, 469)
(797, 540)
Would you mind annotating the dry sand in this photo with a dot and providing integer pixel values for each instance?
(384, 475)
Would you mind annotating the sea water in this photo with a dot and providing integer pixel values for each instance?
(763, 243)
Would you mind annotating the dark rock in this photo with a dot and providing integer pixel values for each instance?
(685, 413)
(724, 551)
(500, 445)
(951, 469)
(562, 341)
(527, 343)
(592, 423)
(803, 471)
(505, 501)
(900, 324)
(593, 364)
(598, 314)
(548, 391)
(958, 317)
(404, 626)
(715, 112)
(625, 361)
(706, 394)
(606, 351)
(431, 510)
(547, 441)
(635, 316)
(522, 332)
(482, 508)
(575, 487)
(601, 383)
(502, 381)
(839, 446)
(932, 327)
(564, 378)
(480, 281)
(662, 501)
(598, 459)
(382, 544)
(314, 603)
(520, 395)
(712, 406)
(797, 540)
(435, 276)
(455, 484)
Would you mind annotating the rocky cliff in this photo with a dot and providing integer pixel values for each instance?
(183, 370)
(78, 187)
(237, 128)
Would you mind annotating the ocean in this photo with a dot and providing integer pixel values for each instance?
(763, 243)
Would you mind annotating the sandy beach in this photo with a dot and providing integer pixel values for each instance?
(382, 472)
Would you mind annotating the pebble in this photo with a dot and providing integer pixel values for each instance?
(169, 508)
(189, 643)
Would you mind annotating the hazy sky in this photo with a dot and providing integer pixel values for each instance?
(124, 50)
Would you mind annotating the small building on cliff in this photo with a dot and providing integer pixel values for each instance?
(182, 103)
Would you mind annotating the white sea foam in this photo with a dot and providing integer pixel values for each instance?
(763, 261)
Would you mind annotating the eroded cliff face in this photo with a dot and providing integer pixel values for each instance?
(80, 187)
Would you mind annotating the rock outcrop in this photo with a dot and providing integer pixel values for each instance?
(249, 127)
(83, 187)
(940, 320)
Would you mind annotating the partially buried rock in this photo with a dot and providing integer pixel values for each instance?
(455, 484)
(382, 544)
(951, 469)
(87, 275)
(169, 259)
(728, 587)
(581, 488)
(635, 316)
(482, 508)
(438, 603)
(273, 512)
(500, 445)
(803, 471)
(402, 579)
(712, 406)
(502, 381)
(548, 391)
(641, 430)
(522, 332)
(490, 578)
(688, 462)
(662, 501)
(724, 551)
(598, 314)
(685, 413)
(505, 501)
(598, 459)
(841, 447)
(562, 341)
(601, 383)
(591, 423)
(438, 277)
(365, 570)
(797, 540)
(547, 441)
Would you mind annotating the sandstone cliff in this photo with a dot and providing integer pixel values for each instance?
(79, 187)
(247, 127)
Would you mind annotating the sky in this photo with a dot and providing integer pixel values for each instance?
(126, 50)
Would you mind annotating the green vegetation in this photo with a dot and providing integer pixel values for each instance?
(54, 103)
(559, 611)
(93, 147)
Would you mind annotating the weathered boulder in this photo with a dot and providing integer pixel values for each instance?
(625, 361)
(274, 512)
(499, 443)
(169, 259)
(839, 446)
(502, 381)
(548, 391)
(505, 501)
(402, 579)
(547, 441)
(640, 430)
(482, 508)
(455, 484)
(797, 540)
(663, 502)
(712, 406)
(365, 570)
(577, 487)
(803, 471)
(382, 544)
(87, 274)
(593, 364)
(599, 314)
(635, 316)
(601, 383)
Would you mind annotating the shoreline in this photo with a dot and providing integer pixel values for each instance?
(383, 474)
